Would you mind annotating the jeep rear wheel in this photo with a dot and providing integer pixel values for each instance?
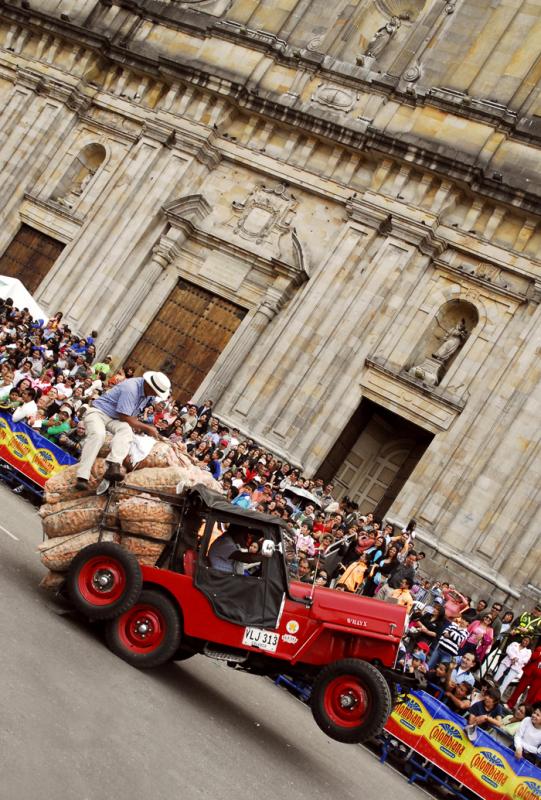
(351, 701)
(103, 580)
(146, 635)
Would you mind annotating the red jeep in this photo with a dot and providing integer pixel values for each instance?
(343, 645)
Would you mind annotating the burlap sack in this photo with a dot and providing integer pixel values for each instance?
(149, 516)
(164, 454)
(57, 554)
(52, 580)
(179, 447)
(62, 485)
(197, 475)
(147, 553)
(72, 516)
(163, 479)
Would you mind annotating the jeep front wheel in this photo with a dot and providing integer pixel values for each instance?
(351, 701)
(147, 634)
(104, 580)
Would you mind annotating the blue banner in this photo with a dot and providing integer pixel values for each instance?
(30, 453)
(482, 763)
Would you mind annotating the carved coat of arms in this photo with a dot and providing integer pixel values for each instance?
(266, 214)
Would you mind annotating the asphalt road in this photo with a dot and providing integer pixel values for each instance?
(77, 723)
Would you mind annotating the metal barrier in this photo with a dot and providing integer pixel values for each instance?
(441, 751)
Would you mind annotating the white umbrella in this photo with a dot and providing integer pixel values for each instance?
(12, 287)
(304, 493)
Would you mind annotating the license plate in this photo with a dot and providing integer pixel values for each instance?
(263, 640)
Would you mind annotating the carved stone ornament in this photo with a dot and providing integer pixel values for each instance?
(334, 97)
(267, 213)
(412, 74)
(430, 371)
(315, 43)
(490, 273)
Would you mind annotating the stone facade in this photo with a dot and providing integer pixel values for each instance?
(361, 178)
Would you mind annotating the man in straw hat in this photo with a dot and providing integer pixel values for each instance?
(117, 412)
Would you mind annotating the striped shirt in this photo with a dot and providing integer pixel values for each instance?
(452, 639)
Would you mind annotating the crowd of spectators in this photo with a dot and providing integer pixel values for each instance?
(49, 377)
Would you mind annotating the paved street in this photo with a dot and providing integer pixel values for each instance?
(79, 724)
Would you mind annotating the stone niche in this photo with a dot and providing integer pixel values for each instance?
(442, 342)
(78, 175)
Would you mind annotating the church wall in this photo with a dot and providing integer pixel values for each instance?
(342, 213)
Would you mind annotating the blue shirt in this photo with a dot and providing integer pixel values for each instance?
(462, 676)
(220, 554)
(127, 398)
(242, 500)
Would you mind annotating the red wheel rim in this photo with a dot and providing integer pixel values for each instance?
(346, 701)
(101, 581)
(142, 628)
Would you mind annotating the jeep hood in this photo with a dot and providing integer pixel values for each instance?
(353, 611)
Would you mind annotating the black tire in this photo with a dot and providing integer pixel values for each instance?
(395, 694)
(104, 580)
(183, 654)
(148, 633)
(351, 701)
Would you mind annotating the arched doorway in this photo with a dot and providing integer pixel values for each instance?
(374, 457)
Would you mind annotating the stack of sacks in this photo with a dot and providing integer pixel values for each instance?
(148, 517)
(141, 523)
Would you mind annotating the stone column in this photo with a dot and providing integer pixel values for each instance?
(238, 353)
(141, 304)
(138, 305)
(106, 240)
(32, 126)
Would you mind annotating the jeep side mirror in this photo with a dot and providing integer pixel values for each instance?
(268, 548)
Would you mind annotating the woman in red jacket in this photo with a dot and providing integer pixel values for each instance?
(531, 677)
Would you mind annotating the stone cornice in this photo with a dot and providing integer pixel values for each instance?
(246, 97)
(496, 286)
(113, 131)
(268, 266)
(357, 76)
(192, 208)
(50, 218)
(410, 231)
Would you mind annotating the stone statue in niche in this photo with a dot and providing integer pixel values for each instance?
(432, 368)
(214, 7)
(75, 191)
(452, 342)
(382, 37)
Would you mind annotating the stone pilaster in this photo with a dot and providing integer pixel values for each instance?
(142, 303)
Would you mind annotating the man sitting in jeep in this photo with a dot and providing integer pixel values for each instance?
(229, 552)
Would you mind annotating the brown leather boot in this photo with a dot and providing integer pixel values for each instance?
(113, 472)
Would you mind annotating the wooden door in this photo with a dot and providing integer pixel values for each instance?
(186, 337)
(29, 257)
